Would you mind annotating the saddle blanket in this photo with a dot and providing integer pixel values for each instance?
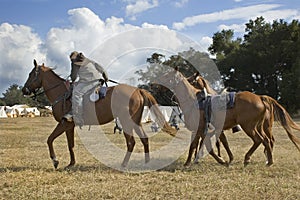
(219, 102)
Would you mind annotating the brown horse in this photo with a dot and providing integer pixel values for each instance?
(249, 111)
(108, 108)
(274, 111)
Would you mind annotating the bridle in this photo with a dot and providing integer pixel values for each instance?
(36, 78)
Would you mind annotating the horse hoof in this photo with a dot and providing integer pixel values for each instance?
(124, 165)
(67, 168)
(246, 163)
(226, 164)
(187, 165)
(55, 163)
(268, 164)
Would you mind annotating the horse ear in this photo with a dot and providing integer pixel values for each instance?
(197, 74)
(35, 63)
(176, 68)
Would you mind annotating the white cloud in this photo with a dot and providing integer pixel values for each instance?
(244, 13)
(237, 28)
(205, 42)
(107, 40)
(181, 3)
(85, 33)
(19, 45)
(110, 42)
(138, 6)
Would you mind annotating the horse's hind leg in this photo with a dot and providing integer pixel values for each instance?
(254, 135)
(224, 141)
(270, 140)
(143, 137)
(130, 142)
(70, 138)
(218, 147)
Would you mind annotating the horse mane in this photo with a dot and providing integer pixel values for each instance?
(51, 70)
(206, 84)
(189, 87)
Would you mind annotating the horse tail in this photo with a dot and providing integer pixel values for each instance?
(284, 119)
(152, 103)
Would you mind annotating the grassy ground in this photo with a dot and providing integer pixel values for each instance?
(26, 171)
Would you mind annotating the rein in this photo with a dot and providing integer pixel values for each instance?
(35, 94)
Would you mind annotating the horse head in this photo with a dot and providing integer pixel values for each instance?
(34, 81)
(200, 83)
(197, 81)
(170, 79)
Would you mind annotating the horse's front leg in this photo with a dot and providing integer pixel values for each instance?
(59, 129)
(194, 144)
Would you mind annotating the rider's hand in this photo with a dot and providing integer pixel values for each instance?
(105, 77)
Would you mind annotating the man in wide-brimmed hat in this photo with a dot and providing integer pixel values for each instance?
(89, 73)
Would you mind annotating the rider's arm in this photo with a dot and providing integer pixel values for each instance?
(101, 70)
(74, 71)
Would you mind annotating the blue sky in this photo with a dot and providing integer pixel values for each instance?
(49, 30)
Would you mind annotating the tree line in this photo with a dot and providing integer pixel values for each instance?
(13, 95)
(266, 60)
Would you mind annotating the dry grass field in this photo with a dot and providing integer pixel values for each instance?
(26, 171)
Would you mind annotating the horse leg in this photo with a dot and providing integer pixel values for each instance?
(143, 137)
(268, 151)
(224, 141)
(197, 155)
(254, 135)
(212, 153)
(70, 138)
(218, 147)
(59, 129)
(270, 140)
(130, 145)
(194, 144)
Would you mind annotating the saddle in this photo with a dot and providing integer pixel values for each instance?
(207, 103)
(219, 102)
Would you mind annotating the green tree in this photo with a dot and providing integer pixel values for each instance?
(266, 61)
(13, 95)
(188, 63)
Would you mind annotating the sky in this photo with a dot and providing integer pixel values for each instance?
(118, 34)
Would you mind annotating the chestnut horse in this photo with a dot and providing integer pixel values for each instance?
(108, 108)
(275, 111)
(249, 112)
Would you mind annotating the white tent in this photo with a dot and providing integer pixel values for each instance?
(2, 112)
(177, 113)
(33, 110)
(168, 111)
(146, 117)
(11, 112)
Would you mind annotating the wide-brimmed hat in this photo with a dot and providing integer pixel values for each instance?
(77, 58)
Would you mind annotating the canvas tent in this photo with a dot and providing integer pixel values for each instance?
(2, 112)
(169, 112)
(11, 112)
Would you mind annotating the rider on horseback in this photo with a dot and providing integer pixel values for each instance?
(89, 73)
